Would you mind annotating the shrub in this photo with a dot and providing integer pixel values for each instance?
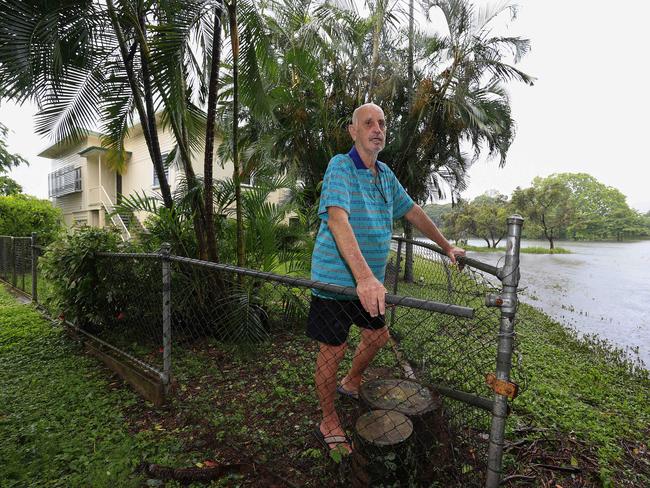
(96, 292)
(20, 215)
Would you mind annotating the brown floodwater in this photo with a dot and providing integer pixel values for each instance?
(601, 288)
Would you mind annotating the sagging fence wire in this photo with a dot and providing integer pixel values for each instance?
(424, 411)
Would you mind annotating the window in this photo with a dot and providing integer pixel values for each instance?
(156, 181)
(64, 181)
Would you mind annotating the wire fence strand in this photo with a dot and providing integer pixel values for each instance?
(422, 411)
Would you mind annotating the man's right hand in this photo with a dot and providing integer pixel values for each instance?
(372, 295)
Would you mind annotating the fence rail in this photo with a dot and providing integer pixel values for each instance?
(449, 329)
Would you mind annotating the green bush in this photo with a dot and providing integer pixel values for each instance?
(20, 215)
(94, 291)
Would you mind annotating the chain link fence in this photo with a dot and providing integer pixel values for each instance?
(230, 344)
(16, 262)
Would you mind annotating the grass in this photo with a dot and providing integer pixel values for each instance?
(524, 250)
(60, 419)
(584, 404)
(65, 421)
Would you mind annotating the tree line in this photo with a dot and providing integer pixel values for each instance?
(572, 206)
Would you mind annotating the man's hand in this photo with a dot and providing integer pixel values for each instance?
(372, 295)
(453, 252)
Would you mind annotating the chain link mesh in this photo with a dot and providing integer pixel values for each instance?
(246, 374)
(16, 262)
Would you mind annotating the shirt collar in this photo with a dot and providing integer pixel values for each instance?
(358, 162)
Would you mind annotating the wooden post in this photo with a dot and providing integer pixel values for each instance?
(383, 453)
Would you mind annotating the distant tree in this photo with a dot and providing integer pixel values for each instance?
(9, 186)
(7, 159)
(601, 212)
(490, 212)
(437, 212)
(460, 222)
(547, 203)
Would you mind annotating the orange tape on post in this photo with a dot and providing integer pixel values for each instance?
(502, 387)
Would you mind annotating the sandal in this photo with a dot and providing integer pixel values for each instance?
(347, 393)
(332, 442)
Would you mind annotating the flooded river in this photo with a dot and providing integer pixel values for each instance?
(601, 288)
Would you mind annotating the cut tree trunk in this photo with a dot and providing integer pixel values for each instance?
(384, 454)
(417, 403)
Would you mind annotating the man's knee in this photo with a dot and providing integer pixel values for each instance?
(330, 352)
(376, 338)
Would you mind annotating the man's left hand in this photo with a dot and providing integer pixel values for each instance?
(454, 252)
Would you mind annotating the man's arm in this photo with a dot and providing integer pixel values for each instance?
(369, 289)
(421, 220)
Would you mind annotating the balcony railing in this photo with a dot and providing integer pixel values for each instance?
(64, 181)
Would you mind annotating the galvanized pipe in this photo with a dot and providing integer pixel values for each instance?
(398, 261)
(471, 262)
(13, 262)
(445, 308)
(509, 276)
(166, 315)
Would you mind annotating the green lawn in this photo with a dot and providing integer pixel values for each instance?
(61, 420)
(65, 421)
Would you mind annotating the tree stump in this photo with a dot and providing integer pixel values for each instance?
(417, 403)
(383, 452)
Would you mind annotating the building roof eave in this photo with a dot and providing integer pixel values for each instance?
(61, 146)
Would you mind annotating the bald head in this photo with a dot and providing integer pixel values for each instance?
(362, 108)
(368, 131)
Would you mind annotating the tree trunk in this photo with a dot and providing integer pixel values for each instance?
(154, 153)
(376, 33)
(234, 40)
(408, 261)
(182, 145)
(487, 241)
(209, 136)
(410, 67)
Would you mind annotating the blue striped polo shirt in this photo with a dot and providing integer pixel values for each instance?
(372, 203)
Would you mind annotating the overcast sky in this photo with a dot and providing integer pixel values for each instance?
(586, 113)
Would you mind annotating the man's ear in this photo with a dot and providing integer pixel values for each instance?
(352, 129)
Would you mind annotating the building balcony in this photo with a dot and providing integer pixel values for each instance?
(64, 181)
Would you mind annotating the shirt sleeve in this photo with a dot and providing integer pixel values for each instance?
(402, 202)
(336, 187)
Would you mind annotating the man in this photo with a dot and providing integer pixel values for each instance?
(360, 199)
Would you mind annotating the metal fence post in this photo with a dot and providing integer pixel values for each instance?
(166, 315)
(34, 269)
(398, 262)
(14, 280)
(509, 276)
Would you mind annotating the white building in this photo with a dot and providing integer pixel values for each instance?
(87, 190)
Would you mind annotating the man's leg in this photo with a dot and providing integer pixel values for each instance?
(371, 342)
(327, 364)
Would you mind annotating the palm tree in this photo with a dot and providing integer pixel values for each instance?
(84, 61)
(458, 97)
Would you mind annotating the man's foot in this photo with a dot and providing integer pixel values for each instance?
(349, 387)
(333, 439)
(346, 393)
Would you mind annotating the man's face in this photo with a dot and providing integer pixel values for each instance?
(369, 131)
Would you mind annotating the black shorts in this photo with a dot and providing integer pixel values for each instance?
(330, 320)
